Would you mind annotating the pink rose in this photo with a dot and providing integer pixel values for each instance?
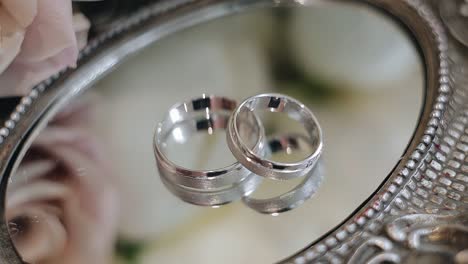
(62, 205)
(37, 40)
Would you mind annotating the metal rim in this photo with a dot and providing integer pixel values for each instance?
(150, 24)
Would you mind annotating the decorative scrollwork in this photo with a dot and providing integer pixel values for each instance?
(417, 238)
(419, 215)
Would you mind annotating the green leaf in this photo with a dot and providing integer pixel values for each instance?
(129, 251)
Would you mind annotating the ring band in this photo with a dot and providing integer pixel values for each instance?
(290, 200)
(299, 194)
(203, 114)
(246, 187)
(214, 198)
(252, 159)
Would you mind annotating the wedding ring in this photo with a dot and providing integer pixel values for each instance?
(245, 188)
(214, 198)
(202, 115)
(299, 194)
(290, 200)
(255, 160)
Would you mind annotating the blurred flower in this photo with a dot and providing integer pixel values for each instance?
(37, 40)
(352, 47)
(15, 16)
(81, 26)
(462, 257)
(62, 206)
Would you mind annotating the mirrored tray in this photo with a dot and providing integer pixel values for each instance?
(386, 79)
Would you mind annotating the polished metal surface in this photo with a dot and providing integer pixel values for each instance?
(245, 188)
(214, 198)
(405, 219)
(255, 161)
(299, 194)
(205, 114)
(218, 187)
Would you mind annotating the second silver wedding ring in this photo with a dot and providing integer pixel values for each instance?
(253, 159)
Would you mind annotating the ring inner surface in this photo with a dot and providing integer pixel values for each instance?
(275, 113)
(190, 129)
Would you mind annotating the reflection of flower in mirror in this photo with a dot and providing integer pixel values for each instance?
(61, 204)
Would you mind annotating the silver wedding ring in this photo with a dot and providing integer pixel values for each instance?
(214, 198)
(300, 193)
(245, 188)
(254, 159)
(246, 139)
(204, 114)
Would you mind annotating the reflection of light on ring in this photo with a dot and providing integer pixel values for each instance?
(177, 134)
(274, 214)
(175, 115)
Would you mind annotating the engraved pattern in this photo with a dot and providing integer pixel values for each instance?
(434, 182)
(434, 203)
(427, 197)
(430, 181)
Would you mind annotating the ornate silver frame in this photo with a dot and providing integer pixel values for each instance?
(421, 207)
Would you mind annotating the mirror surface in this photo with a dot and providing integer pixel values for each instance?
(89, 184)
